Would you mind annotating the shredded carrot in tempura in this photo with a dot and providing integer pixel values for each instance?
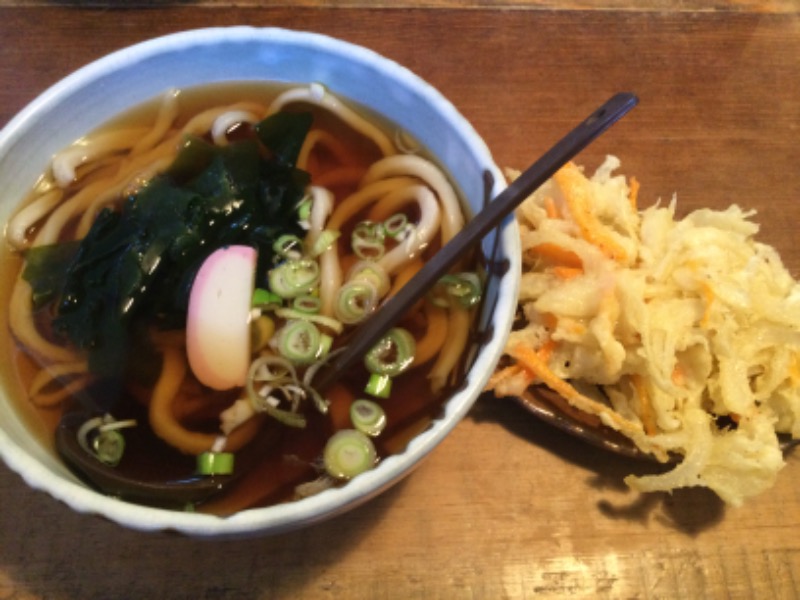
(551, 208)
(566, 272)
(533, 362)
(708, 296)
(556, 255)
(645, 408)
(682, 334)
(633, 193)
(575, 187)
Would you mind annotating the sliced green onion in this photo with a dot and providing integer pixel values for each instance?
(396, 225)
(373, 272)
(325, 239)
(288, 246)
(294, 278)
(307, 304)
(367, 240)
(109, 446)
(379, 385)
(393, 354)
(275, 371)
(349, 453)
(322, 404)
(325, 343)
(263, 298)
(355, 300)
(368, 417)
(299, 342)
(215, 463)
(367, 250)
(463, 287)
(369, 230)
(304, 208)
(327, 322)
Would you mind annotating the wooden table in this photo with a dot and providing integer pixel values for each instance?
(506, 507)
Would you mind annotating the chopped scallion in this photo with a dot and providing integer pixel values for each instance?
(307, 304)
(109, 446)
(368, 417)
(379, 386)
(325, 343)
(463, 287)
(372, 272)
(349, 453)
(264, 298)
(368, 240)
(327, 322)
(294, 278)
(100, 437)
(355, 301)
(215, 463)
(304, 208)
(324, 240)
(288, 246)
(396, 225)
(299, 342)
(393, 354)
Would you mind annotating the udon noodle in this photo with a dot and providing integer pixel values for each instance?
(368, 215)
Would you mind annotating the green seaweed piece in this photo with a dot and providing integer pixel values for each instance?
(137, 263)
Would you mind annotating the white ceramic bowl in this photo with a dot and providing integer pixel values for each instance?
(101, 90)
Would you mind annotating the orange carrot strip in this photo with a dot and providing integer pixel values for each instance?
(557, 255)
(500, 376)
(794, 371)
(678, 375)
(566, 272)
(633, 194)
(645, 407)
(708, 296)
(577, 193)
(551, 208)
(531, 361)
(546, 350)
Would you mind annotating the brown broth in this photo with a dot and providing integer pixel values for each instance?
(295, 455)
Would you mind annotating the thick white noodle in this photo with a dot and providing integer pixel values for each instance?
(416, 166)
(316, 94)
(223, 123)
(321, 208)
(330, 269)
(20, 223)
(66, 162)
(167, 113)
(422, 233)
(202, 123)
(21, 323)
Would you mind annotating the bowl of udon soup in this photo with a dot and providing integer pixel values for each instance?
(194, 226)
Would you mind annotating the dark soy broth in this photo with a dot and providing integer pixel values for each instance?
(291, 456)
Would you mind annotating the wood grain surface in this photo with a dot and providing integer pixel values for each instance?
(756, 6)
(506, 507)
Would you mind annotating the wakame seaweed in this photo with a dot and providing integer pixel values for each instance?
(137, 263)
